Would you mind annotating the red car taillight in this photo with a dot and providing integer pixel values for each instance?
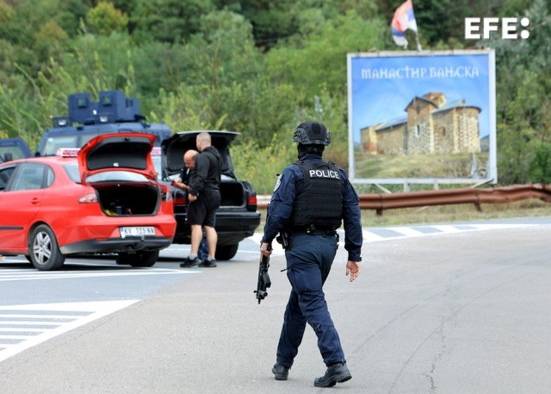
(180, 200)
(89, 198)
(251, 202)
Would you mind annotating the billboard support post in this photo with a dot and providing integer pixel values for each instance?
(383, 189)
(485, 182)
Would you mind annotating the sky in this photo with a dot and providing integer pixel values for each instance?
(379, 100)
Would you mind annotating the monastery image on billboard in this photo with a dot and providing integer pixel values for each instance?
(421, 117)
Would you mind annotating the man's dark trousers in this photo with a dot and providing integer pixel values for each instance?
(309, 260)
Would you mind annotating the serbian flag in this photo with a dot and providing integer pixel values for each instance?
(403, 19)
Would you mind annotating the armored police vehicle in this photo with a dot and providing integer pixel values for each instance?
(113, 112)
(13, 149)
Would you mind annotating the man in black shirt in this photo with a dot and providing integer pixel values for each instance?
(185, 177)
(204, 199)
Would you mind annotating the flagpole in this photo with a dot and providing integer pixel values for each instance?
(419, 49)
(416, 30)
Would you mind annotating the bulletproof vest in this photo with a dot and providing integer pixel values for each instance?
(318, 200)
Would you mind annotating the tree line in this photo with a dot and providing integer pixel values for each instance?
(256, 66)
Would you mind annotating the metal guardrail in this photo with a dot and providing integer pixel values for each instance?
(382, 202)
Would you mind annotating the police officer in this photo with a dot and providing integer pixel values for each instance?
(311, 198)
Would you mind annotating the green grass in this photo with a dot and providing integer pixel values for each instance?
(417, 166)
(456, 213)
(450, 213)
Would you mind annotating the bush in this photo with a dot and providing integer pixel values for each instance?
(540, 168)
(260, 166)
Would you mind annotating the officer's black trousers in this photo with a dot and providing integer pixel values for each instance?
(309, 261)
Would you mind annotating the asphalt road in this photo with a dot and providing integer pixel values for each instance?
(459, 312)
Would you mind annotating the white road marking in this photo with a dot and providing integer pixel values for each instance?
(415, 231)
(449, 229)
(443, 229)
(27, 323)
(405, 231)
(369, 236)
(10, 275)
(13, 329)
(25, 315)
(12, 337)
(11, 345)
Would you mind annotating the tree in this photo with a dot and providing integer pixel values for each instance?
(321, 62)
(106, 19)
(168, 20)
(524, 111)
(6, 12)
(49, 40)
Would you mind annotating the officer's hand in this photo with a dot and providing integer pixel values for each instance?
(265, 249)
(352, 270)
(192, 197)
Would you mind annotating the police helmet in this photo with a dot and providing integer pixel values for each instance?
(312, 133)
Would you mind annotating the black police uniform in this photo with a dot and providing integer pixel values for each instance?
(310, 200)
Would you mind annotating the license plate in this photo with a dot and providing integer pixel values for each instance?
(136, 231)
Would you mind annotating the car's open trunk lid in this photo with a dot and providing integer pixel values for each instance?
(175, 147)
(232, 191)
(129, 152)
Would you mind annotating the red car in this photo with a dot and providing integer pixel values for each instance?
(103, 198)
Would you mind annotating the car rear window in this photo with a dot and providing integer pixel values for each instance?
(72, 172)
(108, 176)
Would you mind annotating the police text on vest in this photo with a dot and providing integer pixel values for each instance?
(324, 174)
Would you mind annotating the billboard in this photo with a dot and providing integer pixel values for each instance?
(422, 117)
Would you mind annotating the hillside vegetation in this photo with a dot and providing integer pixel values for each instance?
(256, 66)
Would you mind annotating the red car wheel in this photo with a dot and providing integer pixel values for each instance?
(44, 250)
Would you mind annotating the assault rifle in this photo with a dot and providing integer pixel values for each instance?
(263, 278)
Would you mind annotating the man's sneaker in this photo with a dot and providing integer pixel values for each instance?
(208, 263)
(336, 373)
(188, 263)
(280, 372)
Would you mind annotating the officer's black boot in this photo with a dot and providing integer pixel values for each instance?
(336, 373)
(280, 372)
